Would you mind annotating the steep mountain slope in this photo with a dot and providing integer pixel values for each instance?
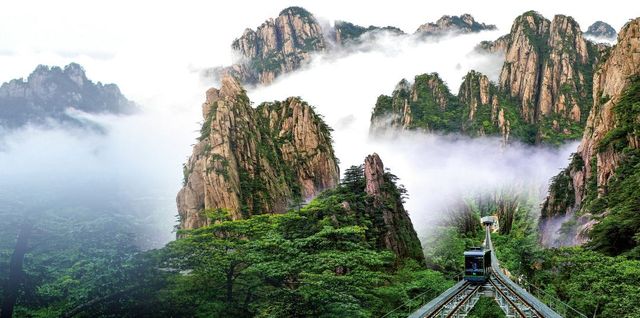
(50, 92)
(277, 46)
(396, 230)
(549, 68)
(542, 95)
(479, 109)
(253, 161)
(601, 183)
(286, 43)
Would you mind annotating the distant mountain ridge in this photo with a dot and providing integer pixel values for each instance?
(601, 29)
(285, 44)
(49, 92)
(543, 94)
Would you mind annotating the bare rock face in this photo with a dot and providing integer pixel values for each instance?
(483, 104)
(605, 140)
(253, 161)
(286, 43)
(500, 45)
(427, 95)
(397, 232)
(453, 24)
(547, 66)
(277, 46)
(301, 134)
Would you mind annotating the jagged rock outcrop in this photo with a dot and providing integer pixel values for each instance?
(602, 30)
(396, 232)
(479, 109)
(253, 161)
(486, 111)
(410, 104)
(346, 33)
(594, 186)
(50, 92)
(286, 43)
(548, 67)
(547, 75)
(277, 46)
(453, 24)
(500, 45)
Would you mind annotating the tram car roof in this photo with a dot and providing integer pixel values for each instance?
(478, 252)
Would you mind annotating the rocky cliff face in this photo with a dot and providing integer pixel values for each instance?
(277, 46)
(50, 92)
(286, 43)
(479, 109)
(595, 185)
(548, 67)
(453, 24)
(410, 104)
(543, 94)
(253, 161)
(500, 45)
(486, 111)
(396, 230)
(602, 30)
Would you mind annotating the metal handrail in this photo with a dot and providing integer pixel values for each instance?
(530, 299)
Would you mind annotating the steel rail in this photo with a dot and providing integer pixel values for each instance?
(464, 301)
(432, 308)
(528, 299)
(507, 298)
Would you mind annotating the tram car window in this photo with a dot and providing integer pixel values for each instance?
(477, 265)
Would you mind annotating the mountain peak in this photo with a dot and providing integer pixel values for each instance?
(49, 91)
(454, 24)
(601, 29)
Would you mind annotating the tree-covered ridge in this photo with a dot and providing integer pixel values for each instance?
(347, 33)
(614, 206)
(479, 109)
(325, 259)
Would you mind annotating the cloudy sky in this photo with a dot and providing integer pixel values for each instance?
(155, 51)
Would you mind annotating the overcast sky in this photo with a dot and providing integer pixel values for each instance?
(142, 37)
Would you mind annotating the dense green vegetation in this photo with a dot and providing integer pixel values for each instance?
(325, 259)
(593, 283)
(434, 108)
(619, 231)
(617, 205)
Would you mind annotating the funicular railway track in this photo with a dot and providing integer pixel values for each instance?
(458, 300)
(510, 299)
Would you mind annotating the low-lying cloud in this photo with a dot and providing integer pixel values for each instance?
(437, 170)
(133, 169)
